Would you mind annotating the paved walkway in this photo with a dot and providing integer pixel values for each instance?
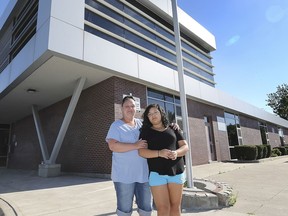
(262, 190)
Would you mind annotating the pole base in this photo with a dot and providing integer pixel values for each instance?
(49, 170)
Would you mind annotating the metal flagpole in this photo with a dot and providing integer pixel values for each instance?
(188, 158)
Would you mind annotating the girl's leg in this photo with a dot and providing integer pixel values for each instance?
(161, 199)
(175, 195)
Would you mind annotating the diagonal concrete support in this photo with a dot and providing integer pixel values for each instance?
(40, 134)
(67, 119)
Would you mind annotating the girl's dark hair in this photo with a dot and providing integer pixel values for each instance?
(146, 121)
(127, 98)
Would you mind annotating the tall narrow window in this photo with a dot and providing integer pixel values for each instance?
(233, 131)
(264, 133)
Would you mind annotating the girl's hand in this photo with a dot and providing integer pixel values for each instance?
(173, 155)
(164, 153)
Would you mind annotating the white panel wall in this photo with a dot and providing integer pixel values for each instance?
(66, 26)
(5, 78)
(106, 54)
(44, 12)
(70, 12)
(6, 12)
(154, 72)
(65, 38)
(42, 39)
(23, 60)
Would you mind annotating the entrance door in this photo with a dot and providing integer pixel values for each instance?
(210, 139)
(4, 138)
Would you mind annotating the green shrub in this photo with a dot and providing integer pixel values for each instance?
(276, 151)
(268, 151)
(259, 151)
(265, 151)
(246, 152)
(282, 149)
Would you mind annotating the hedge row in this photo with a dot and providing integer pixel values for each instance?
(256, 152)
(252, 152)
(278, 151)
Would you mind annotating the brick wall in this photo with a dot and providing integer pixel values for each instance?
(196, 112)
(84, 148)
(250, 131)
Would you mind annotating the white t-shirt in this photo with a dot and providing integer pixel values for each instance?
(127, 167)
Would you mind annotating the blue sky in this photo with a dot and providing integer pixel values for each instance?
(251, 59)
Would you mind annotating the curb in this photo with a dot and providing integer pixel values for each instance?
(6, 208)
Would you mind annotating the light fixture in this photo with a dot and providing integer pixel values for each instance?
(31, 91)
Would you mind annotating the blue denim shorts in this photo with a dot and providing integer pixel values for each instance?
(125, 195)
(155, 179)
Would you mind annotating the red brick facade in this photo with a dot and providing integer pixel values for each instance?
(84, 149)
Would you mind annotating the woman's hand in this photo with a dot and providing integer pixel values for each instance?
(168, 154)
(141, 144)
(173, 155)
(164, 153)
(175, 126)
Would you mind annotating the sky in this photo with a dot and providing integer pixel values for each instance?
(251, 57)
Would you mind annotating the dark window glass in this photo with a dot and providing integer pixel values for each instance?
(170, 112)
(140, 29)
(166, 54)
(228, 115)
(139, 17)
(169, 98)
(155, 94)
(232, 135)
(194, 51)
(165, 33)
(104, 36)
(140, 52)
(197, 70)
(177, 100)
(107, 11)
(186, 55)
(166, 44)
(167, 64)
(178, 111)
(116, 4)
(103, 23)
(155, 101)
(140, 41)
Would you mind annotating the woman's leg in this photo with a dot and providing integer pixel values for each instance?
(161, 198)
(175, 195)
(125, 195)
(143, 199)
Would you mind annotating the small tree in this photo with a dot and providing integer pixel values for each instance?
(278, 101)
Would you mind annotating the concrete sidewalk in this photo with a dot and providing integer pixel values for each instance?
(261, 188)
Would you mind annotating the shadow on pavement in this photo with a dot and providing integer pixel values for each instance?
(24, 180)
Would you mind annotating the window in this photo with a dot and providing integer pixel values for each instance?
(264, 133)
(131, 25)
(170, 103)
(233, 131)
(19, 32)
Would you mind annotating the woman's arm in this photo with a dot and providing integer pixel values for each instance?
(181, 151)
(147, 153)
(116, 146)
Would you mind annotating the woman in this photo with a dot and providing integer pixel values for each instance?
(129, 170)
(166, 148)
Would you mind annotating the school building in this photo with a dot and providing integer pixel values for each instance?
(65, 66)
